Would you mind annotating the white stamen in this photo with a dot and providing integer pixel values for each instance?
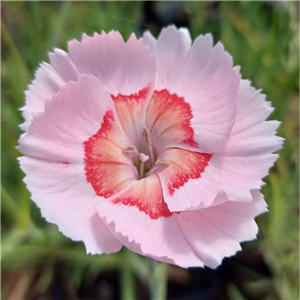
(162, 162)
(143, 157)
(146, 133)
(131, 149)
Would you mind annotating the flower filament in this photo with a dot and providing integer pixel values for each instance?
(143, 158)
(146, 133)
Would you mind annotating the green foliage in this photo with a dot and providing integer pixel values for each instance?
(262, 37)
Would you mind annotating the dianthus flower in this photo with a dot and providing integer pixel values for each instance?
(154, 144)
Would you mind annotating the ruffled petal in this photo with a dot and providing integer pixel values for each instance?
(180, 177)
(251, 135)
(236, 176)
(123, 68)
(248, 153)
(108, 169)
(78, 142)
(132, 111)
(140, 219)
(49, 79)
(204, 76)
(170, 50)
(192, 180)
(215, 232)
(63, 65)
(168, 120)
(238, 167)
(191, 238)
(65, 198)
(169, 115)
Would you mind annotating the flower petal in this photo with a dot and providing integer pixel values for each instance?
(123, 68)
(216, 232)
(65, 198)
(49, 79)
(74, 155)
(179, 182)
(73, 115)
(251, 135)
(168, 116)
(108, 169)
(170, 50)
(132, 111)
(168, 120)
(205, 77)
(139, 218)
(193, 180)
(191, 238)
(63, 65)
(239, 166)
(236, 176)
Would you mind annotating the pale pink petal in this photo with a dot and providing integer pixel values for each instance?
(184, 37)
(210, 84)
(215, 232)
(169, 116)
(62, 64)
(75, 115)
(150, 41)
(65, 198)
(140, 219)
(108, 169)
(168, 120)
(135, 247)
(238, 167)
(132, 111)
(170, 52)
(49, 79)
(123, 68)
(236, 176)
(192, 180)
(80, 125)
(204, 76)
(75, 159)
(251, 135)
(191, 238)
(187, 34)
(180, 179)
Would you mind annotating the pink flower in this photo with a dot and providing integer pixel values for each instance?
(157, 145)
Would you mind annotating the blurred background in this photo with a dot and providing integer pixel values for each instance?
(38, 262)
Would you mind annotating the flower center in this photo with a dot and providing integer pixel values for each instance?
(145, 163)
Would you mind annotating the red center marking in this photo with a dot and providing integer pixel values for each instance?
(140, 96)
(147, 196)
(107, 170)
(169, 115)
(104, 168)
(188, 165)
(131, 110)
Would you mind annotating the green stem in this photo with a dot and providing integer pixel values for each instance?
(159, 280)
(127, 279)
